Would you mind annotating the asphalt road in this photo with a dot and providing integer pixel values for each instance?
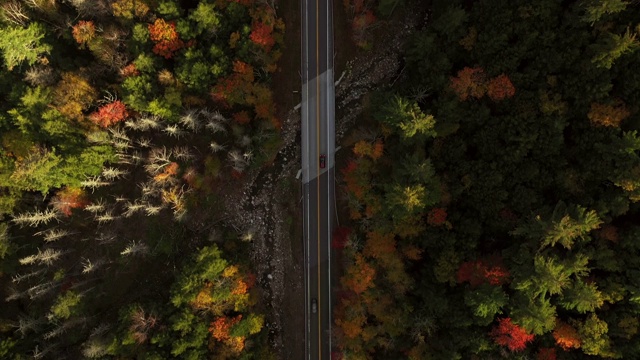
(318, 138)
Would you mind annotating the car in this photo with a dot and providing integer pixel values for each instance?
(314, 305)
(323, 161)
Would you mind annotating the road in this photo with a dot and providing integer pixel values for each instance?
(318, 138)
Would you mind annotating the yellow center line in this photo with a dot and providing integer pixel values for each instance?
(318, 168)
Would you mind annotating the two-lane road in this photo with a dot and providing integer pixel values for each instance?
(318, 139)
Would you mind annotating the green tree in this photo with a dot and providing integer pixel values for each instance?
(407, 117)
(20, 44)
(610, 47)
(596, 9)
(581, 296)
(485, 302)
(565, 225)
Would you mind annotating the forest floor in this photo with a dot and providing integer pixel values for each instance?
(267, 204)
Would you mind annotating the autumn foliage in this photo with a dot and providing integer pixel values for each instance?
(340, 237)
(437, 216)
(262, 35)
(500, 88)
(110, 114)
(359, 277)
(166, 38)
(510, 335)
(84, 31)
(469, 82)
(70, 198)
(546, 354)
(366, 148)
(487, 270)
(566, 336)
(473, 82)
(608, 114)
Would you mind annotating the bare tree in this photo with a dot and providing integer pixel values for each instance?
(94, 182)
(134, 248)
(141, 324)
(152, 209)
(244, 141)
(96, 206)
(56, 234)
(144, 142)
(13, 12)
(95, 348)
(174, 131)
(110, 173)
(119, 133)
(16, 279)
(132, 208)
(147, 123)
(190, 120)
(215, 127)
(182, 153)
(105, 217)
(40, 75)
(26, 324)
(36, 218)
(215, 147)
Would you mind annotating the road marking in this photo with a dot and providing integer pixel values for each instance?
(318, 172)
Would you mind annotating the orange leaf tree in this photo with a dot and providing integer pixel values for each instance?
(566, 336)
(84, 31)
(166, 38)
(469, 82)
(69, 198)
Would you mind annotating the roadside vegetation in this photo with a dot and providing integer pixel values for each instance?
(121, 126)
(493, 203)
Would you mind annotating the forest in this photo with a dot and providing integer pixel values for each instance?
(121, 124)
(494, 200)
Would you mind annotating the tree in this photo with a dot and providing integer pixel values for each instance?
(359, 276)
(566, 336)
(610, 47)
(109, 114)
(74, 94)
(500, 88)
(69, 198)
(407, 117)
(608, 114)
(485, 302)
(166, 37)
(596, 9)
(508, 334)
(20, 44)
(564, 226)
(469, 82)
(582, 296)
(84, 31)
(261, 35)
(593, 334)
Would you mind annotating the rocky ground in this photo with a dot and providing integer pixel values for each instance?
(267, 206)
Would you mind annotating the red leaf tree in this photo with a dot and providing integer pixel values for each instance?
(510, 335)
(500, 88)
(110, 114)
(546, 354)
(262, 34)
(166, 37)
(437, 216)
(340, 237)
(489, 269)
